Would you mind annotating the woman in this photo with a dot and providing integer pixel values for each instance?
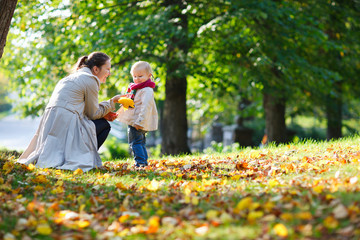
(74, 124)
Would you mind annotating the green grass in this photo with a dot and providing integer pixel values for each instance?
(307, 190)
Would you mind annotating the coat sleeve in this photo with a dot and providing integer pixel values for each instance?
(146, 98)
(93, 109)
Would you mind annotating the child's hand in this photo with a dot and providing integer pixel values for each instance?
(111, 116)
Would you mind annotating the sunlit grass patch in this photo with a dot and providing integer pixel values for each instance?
(305, 190)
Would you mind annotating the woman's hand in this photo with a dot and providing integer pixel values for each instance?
(116, 98)
(138, 127)
(111, 116)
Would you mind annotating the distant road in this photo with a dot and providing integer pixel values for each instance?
(15, 133)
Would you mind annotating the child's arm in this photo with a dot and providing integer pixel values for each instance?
(146, 98)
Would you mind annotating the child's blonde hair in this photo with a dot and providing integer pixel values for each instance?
(142, 65)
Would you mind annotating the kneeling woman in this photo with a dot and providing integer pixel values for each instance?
(74, 124)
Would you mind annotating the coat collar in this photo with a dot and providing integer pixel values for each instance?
(87, 71)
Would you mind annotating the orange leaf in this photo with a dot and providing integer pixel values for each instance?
(78, 171)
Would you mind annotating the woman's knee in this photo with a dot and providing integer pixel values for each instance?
(102, 125)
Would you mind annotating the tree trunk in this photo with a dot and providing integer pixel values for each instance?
(274, 118)
(7, 8)
(175, 126)
(334, 115)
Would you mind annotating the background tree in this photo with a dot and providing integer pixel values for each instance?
(160, 32)
(209, 56)
(6, 13)
(267, 42)
(340, 21)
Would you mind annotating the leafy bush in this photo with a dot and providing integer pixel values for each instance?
(220, 148)
(115, 149)
(155, 152)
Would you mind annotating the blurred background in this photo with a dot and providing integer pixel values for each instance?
(229, 73)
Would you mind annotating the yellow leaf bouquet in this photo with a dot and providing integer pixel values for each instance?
(126, 102)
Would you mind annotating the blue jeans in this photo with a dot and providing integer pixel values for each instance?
(137, 143)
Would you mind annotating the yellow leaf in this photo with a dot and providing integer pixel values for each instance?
(211, 214)
(124, 218)
(318, 189)
(153, 186)
(225, 217)
(59, 183)
(273, 182)
(121, 186)
(160, 212)
(195, 201)
(281, 230)
(78, 172)
(44, 229)
(236, 177)
(253, 215)
(269, 206)
(31, 167)
(243, 204)
(82, 207)
(254, 206)
(57, 190)
(139, 221)
(1, 180)
(187, 191)
(330, 222)
(8, 166)
(287, 216)
(330, 197)
(126, 102)
(40, 179)
(255, 155)
(304, 215)
(82, 223)
(154, 221)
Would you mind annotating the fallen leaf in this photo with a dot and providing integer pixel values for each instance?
(281, 230)
(78, 172)
(340, 212)
(330, 222)
(44, 229)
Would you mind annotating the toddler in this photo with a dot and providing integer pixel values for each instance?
(143, 117)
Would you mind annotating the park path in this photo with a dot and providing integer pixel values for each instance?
(15, 133)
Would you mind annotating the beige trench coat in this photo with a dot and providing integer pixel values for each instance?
(144, 114)
(66, 137)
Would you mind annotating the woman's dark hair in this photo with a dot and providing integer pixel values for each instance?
(94, 59)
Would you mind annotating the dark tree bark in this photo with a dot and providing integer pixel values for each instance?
(7, 8)
(175, 126)
(334, 114)
(274, 118)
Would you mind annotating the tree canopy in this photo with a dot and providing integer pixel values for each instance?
(290, 52)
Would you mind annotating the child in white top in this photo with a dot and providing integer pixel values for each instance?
(144, 116)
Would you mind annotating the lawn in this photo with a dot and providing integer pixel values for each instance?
(306, 190)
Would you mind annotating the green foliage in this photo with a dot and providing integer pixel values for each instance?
(4, 103)
(230, 51)
(115, 149)
(220, 148)
(155, 152)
